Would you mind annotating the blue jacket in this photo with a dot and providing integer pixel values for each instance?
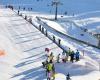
(77, 54)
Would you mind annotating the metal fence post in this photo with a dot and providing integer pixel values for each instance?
(83, 52)
(30, 20)
(40, 27)
(25, 17)
(18, 12)
(53, 38)
(46, 33)
(59, 41)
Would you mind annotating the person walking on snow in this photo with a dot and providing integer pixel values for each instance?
(50, 70)
(53, 72)
(68, 77)
(58, 58)
(68, 54)
(47, 50)
(63, 56)
(18, 12)
(51, 57)
(72, 56)
(77, 54)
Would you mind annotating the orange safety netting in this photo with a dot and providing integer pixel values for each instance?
(2, 52)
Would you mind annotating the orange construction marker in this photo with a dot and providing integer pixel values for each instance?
(2, 52)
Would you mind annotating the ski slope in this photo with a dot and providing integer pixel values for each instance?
(30, 51)
(24, 47)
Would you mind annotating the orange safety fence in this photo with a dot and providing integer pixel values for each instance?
(2, 52)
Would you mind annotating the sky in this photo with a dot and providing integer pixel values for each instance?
(71, 6)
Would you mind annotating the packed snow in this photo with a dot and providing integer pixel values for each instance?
(23, 46)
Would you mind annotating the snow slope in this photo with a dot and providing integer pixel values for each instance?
(24, 45)
(15, 31)
(87, 9)
(69, 28)
(74, 46)
(26, 68)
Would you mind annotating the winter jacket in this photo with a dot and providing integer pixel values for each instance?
(77, 54)
(49, 66)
